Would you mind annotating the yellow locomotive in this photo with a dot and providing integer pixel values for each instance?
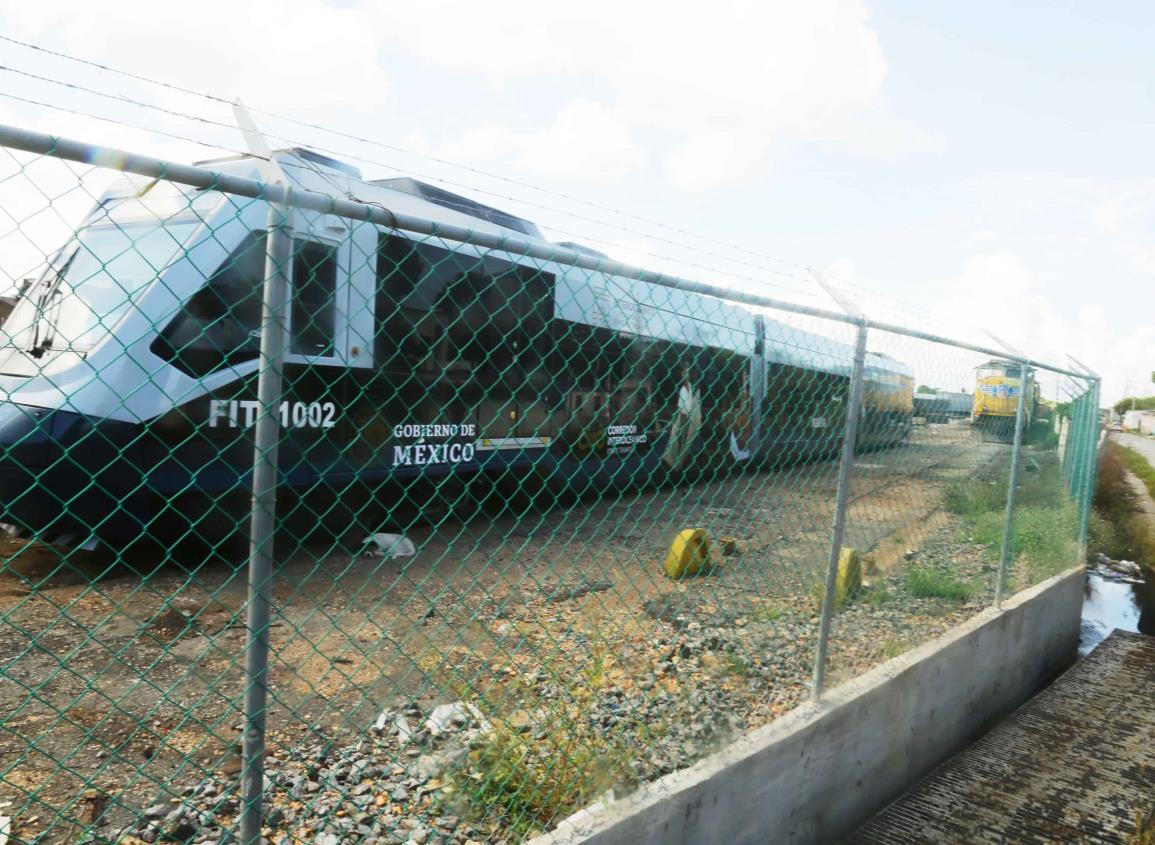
(996, 399)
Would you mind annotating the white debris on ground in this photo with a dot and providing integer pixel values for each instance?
(389, 545)
(1125, 571)
(451, 716)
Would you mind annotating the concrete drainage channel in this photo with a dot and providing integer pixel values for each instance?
(813, 775)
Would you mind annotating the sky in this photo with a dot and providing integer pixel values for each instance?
(959, 168)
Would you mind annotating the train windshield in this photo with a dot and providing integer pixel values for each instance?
(97, 281)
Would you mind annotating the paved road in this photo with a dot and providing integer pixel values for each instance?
(1144, 445)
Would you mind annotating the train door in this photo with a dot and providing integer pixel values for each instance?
(324, 341)
(514, 308)
(538, 392)
(757, 386)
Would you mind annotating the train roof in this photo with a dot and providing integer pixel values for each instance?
(312, 171)
(795, 347)
(1003, 364)
(448, 199)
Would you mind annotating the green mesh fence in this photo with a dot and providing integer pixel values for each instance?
(541, 529)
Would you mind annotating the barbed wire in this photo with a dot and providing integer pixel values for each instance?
(895, 301)
(872, 295)
(126, 124)
(341, 190)
(345, 155)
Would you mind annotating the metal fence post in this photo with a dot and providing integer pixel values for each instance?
(1090, 468)
(263, 522)
(1012, 483)
(1074, 445)
(854, 403)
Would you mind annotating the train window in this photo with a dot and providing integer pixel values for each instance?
(437, 307)
(313, 317)
(220, 324)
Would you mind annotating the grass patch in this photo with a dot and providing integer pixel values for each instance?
(1137, 465)
(1045, 539)
(893, 648)
(738, 665)
(768, 613)
(527, 785)
(934, 583)
(1044, 525)
(875, 596)
(1118, 528)
(526, 782)
(975, 497)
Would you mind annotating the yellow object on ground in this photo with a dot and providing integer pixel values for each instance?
(849, 576)
(689, 554)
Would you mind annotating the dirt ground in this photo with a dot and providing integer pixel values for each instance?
(124, 676)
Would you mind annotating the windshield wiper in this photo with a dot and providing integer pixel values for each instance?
(48, 300)
(43, 303)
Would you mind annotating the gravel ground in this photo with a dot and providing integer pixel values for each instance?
(588, 670)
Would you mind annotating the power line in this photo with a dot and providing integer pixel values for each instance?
(469, 168)
(119, 97)
(353, 157)
(80, 113)
(903, 305)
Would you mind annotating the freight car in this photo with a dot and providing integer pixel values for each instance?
(414, 368)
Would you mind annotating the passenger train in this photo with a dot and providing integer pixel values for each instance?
(412, 364)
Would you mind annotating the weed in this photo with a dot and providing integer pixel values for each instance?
(1045, 539)
(1144, 828)
(974, 497)
(1137, 465)
(768, 613)
(933, 583)
(877, 595)
(893, 648)
(1044, 527)
(1105, 537)
(526, 782)
(738, 665)
(1118, 529)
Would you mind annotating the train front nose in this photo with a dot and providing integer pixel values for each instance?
(28, 452)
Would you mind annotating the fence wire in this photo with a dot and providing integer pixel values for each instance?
(329, 526)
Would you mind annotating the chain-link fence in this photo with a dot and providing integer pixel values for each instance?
(351, 511)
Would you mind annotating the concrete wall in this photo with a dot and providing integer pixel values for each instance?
(815, 774)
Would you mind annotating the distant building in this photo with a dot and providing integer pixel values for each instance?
(1141, 421)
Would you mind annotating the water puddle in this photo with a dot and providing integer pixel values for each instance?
(1112, 601)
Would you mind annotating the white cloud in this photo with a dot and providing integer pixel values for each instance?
(710, 94)
(279, 54)
(1127, 219)
(1000, 292)
(716, 157)
(584, 140)
(841, 270)
(644, 100)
